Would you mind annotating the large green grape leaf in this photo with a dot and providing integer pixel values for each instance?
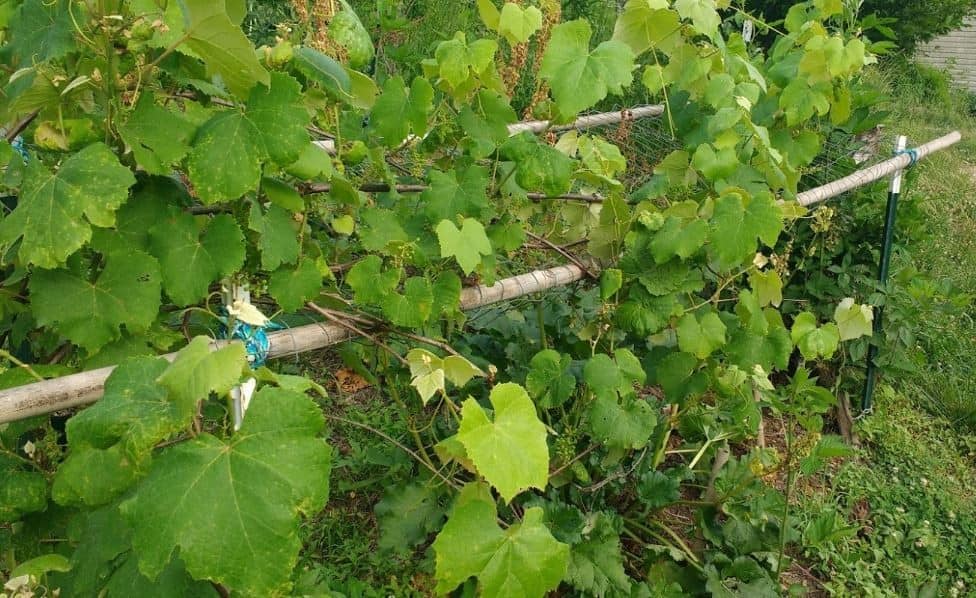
(153, 200)
(408, 514)
(224, 48)
(580, 78)
(370, 283)
(456, 193)
(395, 113)
(736, 227)
(509, 450)
(523, 561)
(159, 138)
(111, 441)
(292, 287)
(280, 116)
(21, 491)
(225, 162)
(596, 564)
(549, 380)
(198, 370)
(700, 336)
(627, 423)
(413, 307)
(485, 122)
(192, 258)
(103, 564)
(90, 313)
(539, 167)
(231, 507)
(40, 30)
(678, 238)
(517, 24)
(646, 24)
(56, 210)
(278, 239)
(457, 60)
(466, 244)
(701, 13)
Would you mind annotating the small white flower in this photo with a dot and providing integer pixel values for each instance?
(30, 449)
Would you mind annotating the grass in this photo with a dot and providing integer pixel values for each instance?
(907, 498)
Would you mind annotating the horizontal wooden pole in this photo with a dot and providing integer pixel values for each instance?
(877, 172)
(588, 121)
(87, 387)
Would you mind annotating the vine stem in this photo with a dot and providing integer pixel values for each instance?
(10, 357)
(395, 443)
(569, 256)
(790, 479)
(352, 327)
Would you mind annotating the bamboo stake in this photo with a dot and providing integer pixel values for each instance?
(87, 387)
(878, 171)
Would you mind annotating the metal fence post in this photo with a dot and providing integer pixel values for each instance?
(889, 232)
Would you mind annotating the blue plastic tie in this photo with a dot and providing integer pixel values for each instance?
(255, 339)
(912, 154)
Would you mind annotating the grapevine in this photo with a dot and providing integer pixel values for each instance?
(169, 158)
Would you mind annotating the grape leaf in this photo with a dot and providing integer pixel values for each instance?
(539, 167)
(701, 13)
(596, 565)
(646, 24)
(485, 122)
(21, 492)
(466, 245)
(225, 162)
(90, 313)
(325, 71)
(112, 440)
(578, 77)
(509, 451)
(41, 31)
(379, 228)
(412, 308)
(625, 424)
(153, 200)
(457, 60)
(278, 239)
(517, 24)
(767, 286)
(159, 138)
(700, 336)
(369, 282)
(199, 370)
(456, 193)
(407, 514)
(736, 227)
(853, 320)
(523, 561)
(224, 48)
(395, 113)
(271, 471)
(292, 287)
(678, 237)
(812, 341)
(192, 258)
(55, 211)
(549, 380)
(280, 117)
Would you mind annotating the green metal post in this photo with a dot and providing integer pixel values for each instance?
(889, 232)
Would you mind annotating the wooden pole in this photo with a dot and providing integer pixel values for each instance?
(87, 387)
(877, 172)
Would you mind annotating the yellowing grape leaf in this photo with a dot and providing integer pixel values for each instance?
(509, 450)
(853, 320)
